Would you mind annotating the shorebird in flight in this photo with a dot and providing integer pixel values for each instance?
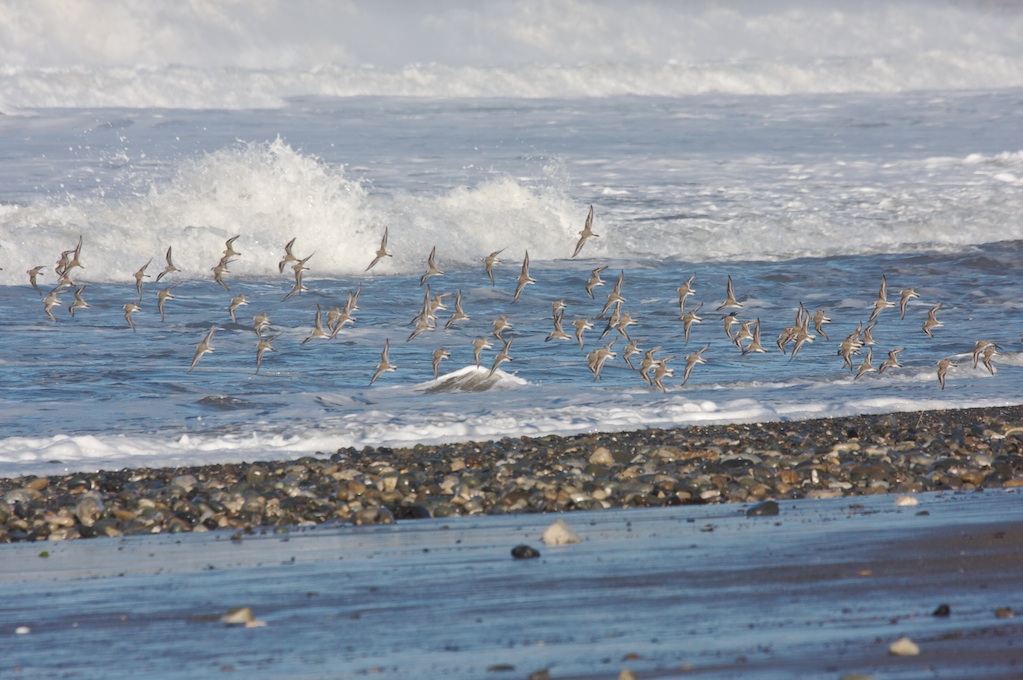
(218, 272)
(502, 356)
(478, 345)
(754, 345)
(661, 371)
(866, 366)
(688, 319)
(139, 276)
(489, 261)
(203, 347)
(932, 322)
(229, 250)
(129, 309)
(288, 255)
(501, 324)
(459, 314)
(648, 363)
(985, 358)
(586, 233)
(943, 367)
(691, 361)
(730, 300)
(299, 287)
(594, 280)
(905, 295)
(69, 260)
(851, 345)
(262, 347)
(78, 303)
(385, 363)
(881, 303)
(596, 359)
(978, 349)
(581, 325)
(892, 361)
(317, 333)
(439, 355)
(170, 268)
(381, 252)
(51, 301)
(33, 275)
(524, 278)
(684, 291)
(558, 333)
(631, 349)
(431, 266)
(236, 302)
(819, 319)
(162, 296)
(259, 322)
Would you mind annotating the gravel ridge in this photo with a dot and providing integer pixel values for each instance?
(959, 449)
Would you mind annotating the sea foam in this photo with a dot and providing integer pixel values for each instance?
(255, 55)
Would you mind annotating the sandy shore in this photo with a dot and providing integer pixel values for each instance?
(739, 463)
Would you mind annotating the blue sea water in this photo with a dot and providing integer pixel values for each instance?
(731, 140)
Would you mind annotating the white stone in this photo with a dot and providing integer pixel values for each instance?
(560, 533)
(906, 501)
(238, 615)
(602, 456)
(904, 647)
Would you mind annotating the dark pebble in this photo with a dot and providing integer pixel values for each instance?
(942, 610)
(524, 552)
(765, 509)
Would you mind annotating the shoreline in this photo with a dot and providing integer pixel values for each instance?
(911, 452)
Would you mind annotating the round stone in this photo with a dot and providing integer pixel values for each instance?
(904, 647)
(765, 509)
(559, 533)
(524, 552)
(601, 456)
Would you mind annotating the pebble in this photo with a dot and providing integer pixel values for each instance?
(602, 456)
(750, 463)
(765, 509)
(904, 647)
(238, 616)
(906, 501)
(1004, 613)
(524, 552)
(559, 533)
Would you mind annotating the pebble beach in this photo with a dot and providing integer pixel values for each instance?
(899, 453)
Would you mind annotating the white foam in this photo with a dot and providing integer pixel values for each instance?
(471, 379)
(269, 193)
(184, 55)
(28, 455)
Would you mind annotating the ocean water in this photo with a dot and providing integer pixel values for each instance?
(804, 152)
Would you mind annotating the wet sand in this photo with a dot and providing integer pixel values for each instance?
(819, 590)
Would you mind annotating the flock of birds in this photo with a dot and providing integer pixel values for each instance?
(745, 335)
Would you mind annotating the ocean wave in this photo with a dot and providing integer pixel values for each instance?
(269, 193)
(259, 54)
(233, 88)
(471, 379)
